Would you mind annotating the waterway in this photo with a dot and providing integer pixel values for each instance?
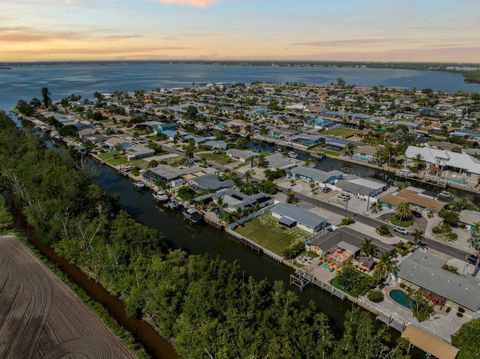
(85, 78)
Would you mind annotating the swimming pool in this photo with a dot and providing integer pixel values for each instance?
(401, 298)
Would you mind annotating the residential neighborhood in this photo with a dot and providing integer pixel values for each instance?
(369, 193)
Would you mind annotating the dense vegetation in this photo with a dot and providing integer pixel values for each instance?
(207, 305)
(467, 339)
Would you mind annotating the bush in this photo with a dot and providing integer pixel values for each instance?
(398, 222)
(294, 250)
(375, 296)
(353, 281)
(383, 230)
(467, 339)
(449, 217)
(347, 221)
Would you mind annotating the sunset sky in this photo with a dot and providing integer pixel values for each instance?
(383, 30)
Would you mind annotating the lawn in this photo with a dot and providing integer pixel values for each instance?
(220, 158)
(340, 132)
(114, 158)
(266, 232)
(406, 223)
(327, 151)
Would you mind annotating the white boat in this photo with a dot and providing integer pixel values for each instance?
(292, 154)
(161, 196)
(192, 215)
(139, 185)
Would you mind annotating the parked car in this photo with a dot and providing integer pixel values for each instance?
(472, 259)
(416, 214)
(400, 230)
(344, 196)
(326, 189)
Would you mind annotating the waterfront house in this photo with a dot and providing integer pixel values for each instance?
(339, 144)
(209, 182)
(279, 161)
(319, 177)
(160, 127)
(307, 140)
(321, 123)
(241, 155)
(166, 173)
(440, 160)
(469, 218)
(136, 152)
(364, 188)
(470, 135)
(365, 153)
(324, 243)
(290, 216)
(423, 271)
(415, 196)
(215, 145)
(234, 200)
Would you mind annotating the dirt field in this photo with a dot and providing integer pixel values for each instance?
(40, 317)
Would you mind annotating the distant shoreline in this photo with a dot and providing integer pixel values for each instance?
(470, 71)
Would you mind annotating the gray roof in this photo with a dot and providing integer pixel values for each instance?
(245, 154)
(425, 270)
(170, 173)
(301, 216)
(236, 199)
(361, 189)
(139, 150)
(216, 144)
(278, 160)
(347, 235)
(315, 174)
(211, 182)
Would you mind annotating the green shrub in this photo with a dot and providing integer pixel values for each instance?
(375, 296)
(353, 281)
(467, 339)
(347, 221)
(294, 250)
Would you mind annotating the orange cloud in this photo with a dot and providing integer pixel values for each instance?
(196, 3)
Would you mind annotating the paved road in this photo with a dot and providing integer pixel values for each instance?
(433, 244)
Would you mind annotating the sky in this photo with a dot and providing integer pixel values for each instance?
(343, 30)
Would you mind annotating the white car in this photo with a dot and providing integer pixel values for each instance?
(344, 196)
(400, 230)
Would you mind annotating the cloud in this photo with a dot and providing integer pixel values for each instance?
(195, 3)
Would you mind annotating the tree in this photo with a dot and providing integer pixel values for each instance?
(24, 108)
(261, 161)
(376, 207)
(291, 198)
(449, 217)
(403, 211)
(341, 82)
(467, 338)
(349, 149)
(47, 101)
(386, 265)
(191, 113)
(241, 143)
(248, 176)
(368, 248)
(418, 237)
(475, 243)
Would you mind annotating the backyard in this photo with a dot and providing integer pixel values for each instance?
(220, 158)
(340, 132)
(266, 232)
(114, 158)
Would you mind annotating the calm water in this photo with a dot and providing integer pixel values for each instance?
(26, 81)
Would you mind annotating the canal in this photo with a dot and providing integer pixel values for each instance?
(204, 239)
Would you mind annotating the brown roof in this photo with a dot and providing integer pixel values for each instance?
(369, 150)
(414, 198)
(429, 343)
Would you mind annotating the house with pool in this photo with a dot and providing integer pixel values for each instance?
(444, 288)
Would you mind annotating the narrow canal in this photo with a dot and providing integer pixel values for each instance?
(204, 239)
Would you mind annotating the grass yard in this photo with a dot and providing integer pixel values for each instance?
(140, 164)
(327, 151)
(114, 158)
(340, 132)
(334, 283)
(266, 232)
(220, 158)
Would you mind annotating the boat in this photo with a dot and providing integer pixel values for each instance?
(139, 185)
(161, 196)
(173, 204)
(292, 154)
(192, 215)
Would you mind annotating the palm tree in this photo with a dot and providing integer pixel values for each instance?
(418, 237)
(248, 176)
(403, 211)
(387, 264)
(218, 204)
(291, 198)
(349, 149)
(368, 248)
(376, 207)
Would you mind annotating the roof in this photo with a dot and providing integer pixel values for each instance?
(244, 154)
(425, 270)
(211, 182)
(300, 215)
(278, 160)
(415, 198)
(348, 247)
(367, 149)
(216, 144)
(139, 150)
(429, 343)
(169, 172)
(315, 174)
(236, 199)
(445, 158)
(339, 142)
(347, 235)
(469, 217)
(361, 186)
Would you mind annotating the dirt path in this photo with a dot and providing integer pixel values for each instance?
(40, 317)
